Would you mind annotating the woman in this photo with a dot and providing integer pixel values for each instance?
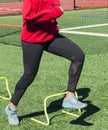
(40, 32)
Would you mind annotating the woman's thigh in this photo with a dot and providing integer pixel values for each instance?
(31, 56)
(64, 47)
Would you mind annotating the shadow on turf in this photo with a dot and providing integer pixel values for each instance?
(88, 111)
(56, 106)
(53, 107)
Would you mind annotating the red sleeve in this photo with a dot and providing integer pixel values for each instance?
(32, 12)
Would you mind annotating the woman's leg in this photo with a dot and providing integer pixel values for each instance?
(63, 47)
(31, 58)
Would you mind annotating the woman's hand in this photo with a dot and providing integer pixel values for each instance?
(61, 8)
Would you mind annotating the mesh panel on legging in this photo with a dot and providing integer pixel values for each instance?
(74, 73)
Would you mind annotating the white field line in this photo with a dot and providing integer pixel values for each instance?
(85, 33)
(81, 27)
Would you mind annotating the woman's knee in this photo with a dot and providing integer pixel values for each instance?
(78, 59)
(29, 78)
(82, 57)
(25, 81)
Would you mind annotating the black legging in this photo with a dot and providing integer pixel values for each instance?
(32, 54)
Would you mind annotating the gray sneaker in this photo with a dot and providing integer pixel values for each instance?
(73, 102)
(12, 116)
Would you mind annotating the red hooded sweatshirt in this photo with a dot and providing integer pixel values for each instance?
(39, 20)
